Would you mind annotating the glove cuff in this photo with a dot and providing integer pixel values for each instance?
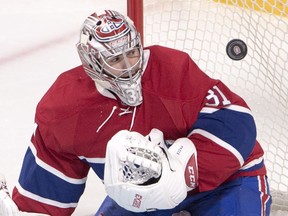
(185, 151)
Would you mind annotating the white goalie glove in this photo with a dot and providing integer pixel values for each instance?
(7, 206)
(141, 174)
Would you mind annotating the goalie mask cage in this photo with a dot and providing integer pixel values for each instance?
(203, 28)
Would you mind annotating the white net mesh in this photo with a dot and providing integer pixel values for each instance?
(203, 28)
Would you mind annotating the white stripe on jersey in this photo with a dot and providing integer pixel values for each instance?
(252, 163)
(208, 110)
(239, 109)
(231, 107)
(54, 171)
(264, 197)
(44, 200)
(220, 142)
(93, 160)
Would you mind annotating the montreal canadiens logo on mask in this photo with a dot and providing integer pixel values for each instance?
(110, 29)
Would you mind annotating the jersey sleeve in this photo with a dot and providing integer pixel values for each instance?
(218, 121)
(225, 137)
(51, 181)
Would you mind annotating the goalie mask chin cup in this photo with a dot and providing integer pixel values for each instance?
(112, 55)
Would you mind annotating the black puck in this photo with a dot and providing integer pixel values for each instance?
(236, 49)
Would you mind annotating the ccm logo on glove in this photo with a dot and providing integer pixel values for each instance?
(191, 173)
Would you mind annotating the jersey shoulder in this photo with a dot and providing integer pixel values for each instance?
(72, 90)
(173, 74)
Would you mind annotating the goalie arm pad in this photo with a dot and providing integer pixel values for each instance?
(185, 151)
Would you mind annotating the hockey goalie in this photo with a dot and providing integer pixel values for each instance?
(164, 137)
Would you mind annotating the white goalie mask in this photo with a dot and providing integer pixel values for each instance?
(112, 55)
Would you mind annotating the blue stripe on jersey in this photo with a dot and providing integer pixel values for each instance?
(98, 169)
(33, 175)
(96, 165)
(235, 128)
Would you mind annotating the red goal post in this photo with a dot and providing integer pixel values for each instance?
(135, 12)
(203, 29)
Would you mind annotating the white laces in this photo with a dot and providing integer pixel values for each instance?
(124, 112)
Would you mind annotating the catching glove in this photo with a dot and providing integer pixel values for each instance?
(141, 174)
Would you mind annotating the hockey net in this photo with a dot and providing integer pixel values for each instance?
(203, 29)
